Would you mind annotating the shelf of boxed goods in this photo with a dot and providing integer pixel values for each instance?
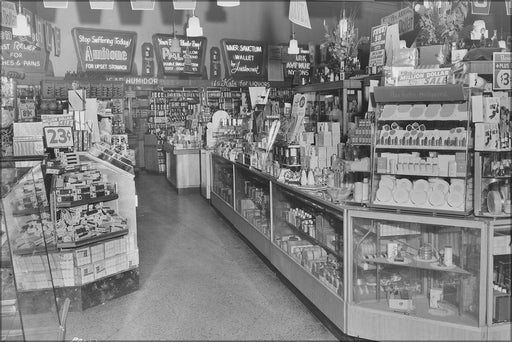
(68, 188)
(433, 125)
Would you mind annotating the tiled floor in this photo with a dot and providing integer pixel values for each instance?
(199, 280)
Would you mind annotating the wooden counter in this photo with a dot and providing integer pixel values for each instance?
(182, 168)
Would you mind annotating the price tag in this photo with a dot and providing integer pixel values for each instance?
(502, 71)
(57, 137)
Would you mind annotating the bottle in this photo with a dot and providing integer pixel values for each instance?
(365, 189)
(311, 178)
(494, 39)
(303, 178)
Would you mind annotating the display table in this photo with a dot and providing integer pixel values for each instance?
(182, 168)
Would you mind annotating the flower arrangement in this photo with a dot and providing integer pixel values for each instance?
(440, 21)
(341, 41)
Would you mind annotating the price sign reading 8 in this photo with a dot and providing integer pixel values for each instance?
(57, 137)
(504, 79)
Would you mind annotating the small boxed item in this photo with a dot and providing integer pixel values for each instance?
(436, 295)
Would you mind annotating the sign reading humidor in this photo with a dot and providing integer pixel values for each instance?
(105, 51)
(245, 59)
(189, 60)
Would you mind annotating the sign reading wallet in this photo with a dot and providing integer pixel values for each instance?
(105, 51)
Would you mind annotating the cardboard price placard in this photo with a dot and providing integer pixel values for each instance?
(192, 51)
(502, 71)
(404, 18)
(245, 59)
(105, 51)
(378, 45)
(58, 137)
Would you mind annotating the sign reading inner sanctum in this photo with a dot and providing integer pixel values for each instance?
(105, 51)
(245, 59)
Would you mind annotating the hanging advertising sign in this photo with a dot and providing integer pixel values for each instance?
(39, 31)
(297, 63)
(171, 62)
(378, 45)
(57, 40)
(502, 71)
(404, 18)
(48, 36)
(105, 51)
(508, 6)
(245, 59)
(481, 7)
(298, 13)
(20, 54)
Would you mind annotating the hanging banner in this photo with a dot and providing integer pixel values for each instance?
(101, 4)
(245, 59)
(57, 40)
(48, 36)
(184, 4)
(143, 5)
(21, 53)
(378, 45)
(404, 18)
(173, 63)
(298, 13)
(502, 71)
(481, 7)
(8, 14)
(508, 6)
(55, 3)
(105, 51)
(39, 31)
(30, 22)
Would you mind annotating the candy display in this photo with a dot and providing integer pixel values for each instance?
(73, 225)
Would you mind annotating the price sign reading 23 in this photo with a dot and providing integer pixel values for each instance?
(56, 137)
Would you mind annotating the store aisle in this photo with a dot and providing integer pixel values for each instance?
(199, 280)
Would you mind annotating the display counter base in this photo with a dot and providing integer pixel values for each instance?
(84, 296)
(184, 191)
(326, 305)
(500, 332)
(378, 325)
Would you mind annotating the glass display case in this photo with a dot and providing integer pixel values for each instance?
(493, 174)
(500, 264)
(27, 241)
(419, 266)
(312, 235)
(222, 179)
(421, 150)
(253, 199)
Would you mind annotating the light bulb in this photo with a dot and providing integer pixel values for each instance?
(194, 27)
(293, 48)
(22, 28)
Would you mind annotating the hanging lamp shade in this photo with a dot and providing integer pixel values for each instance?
(228, 3)
(194, 27)
(293, 48)
(22, 28)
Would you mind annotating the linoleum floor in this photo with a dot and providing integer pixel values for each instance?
(198, 281)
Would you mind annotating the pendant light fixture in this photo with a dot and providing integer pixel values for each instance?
(293, 48)
(228, 3)
(22, 28)
(175, 42)
(194, 26)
